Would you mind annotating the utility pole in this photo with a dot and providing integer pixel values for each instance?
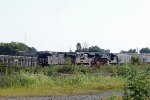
(25, 37)
(137, 50)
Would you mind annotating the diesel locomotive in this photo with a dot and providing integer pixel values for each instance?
(84, 58)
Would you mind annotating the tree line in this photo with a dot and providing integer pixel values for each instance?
(143, 50)
(80, 48)
(16, 48)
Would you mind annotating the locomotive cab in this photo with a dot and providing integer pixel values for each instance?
(42, 58)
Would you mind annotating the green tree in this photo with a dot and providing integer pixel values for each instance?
(15, 48)
(132, 51)
(85, 48)
(78, 47)
(123, 51)
(145, 50)
(95, 49)
(129, 51)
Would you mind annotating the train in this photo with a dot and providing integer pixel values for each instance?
(46, 58)
(78, 58)
(89, 58)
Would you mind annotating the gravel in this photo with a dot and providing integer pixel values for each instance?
(106, 94)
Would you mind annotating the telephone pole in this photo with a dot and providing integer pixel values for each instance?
(25, 37)
(137, 50)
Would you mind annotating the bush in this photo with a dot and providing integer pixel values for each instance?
(123, 70)
(126, 70)
(135, 60)
(138, 87)
(9, 69)
(50, 70)
(3, 68)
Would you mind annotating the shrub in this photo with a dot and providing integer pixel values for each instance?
(10, 69)
(138, 87)
(125, 70)
(50, 70)
(135, 60)
(3, 68)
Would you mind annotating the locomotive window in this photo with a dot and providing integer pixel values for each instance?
(57, 55)
(78, 55)
(82, 58)
(85, 55)
(44, 55)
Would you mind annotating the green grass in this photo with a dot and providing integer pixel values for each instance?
(41, 85)
(64, 80)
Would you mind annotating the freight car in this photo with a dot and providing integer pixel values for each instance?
(19, 60)
(125, 58)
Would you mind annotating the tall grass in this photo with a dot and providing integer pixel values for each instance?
(64, 80)
(59, 85)
(28, 79)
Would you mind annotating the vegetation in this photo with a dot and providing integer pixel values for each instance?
(145, 50)
(129, 51)
(55, 79)
(135, 60)
(138, 86)
(95, 49)
(132, 80)
(80, 48)
(15, 48)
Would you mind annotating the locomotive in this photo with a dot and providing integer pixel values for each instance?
(84, 58)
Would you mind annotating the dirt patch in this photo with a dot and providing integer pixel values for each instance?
(106, 94)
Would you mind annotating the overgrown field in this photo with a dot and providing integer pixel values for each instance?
(71, 80)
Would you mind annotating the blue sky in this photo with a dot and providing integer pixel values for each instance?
(57, 25)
